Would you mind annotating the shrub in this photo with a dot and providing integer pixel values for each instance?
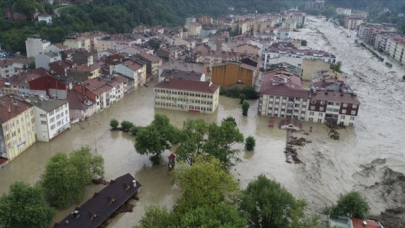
(250, 143)
(242, 98)
(126, 125)
(134, 130)
(388, 64)
(245, 108)
(114, 124)
(304, 43)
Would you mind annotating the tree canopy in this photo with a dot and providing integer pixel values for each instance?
(25, 206)
(352, 204)
(203, 183)
(265, 203)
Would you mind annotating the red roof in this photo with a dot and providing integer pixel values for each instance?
(16, 108)
(358, 223)
(283, 83)
(188, 85)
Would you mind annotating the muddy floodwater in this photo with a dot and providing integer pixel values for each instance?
(363, 159)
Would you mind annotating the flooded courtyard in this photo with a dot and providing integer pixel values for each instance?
(364, 156)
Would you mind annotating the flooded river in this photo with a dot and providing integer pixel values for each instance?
(329, 167)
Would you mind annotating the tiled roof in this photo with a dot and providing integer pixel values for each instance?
(149, 57)
(335, 97)
(76, 100)
(132, 65)
(178, 74)
(15, 110)
(188, 85)
(283, 83)
(5, 62)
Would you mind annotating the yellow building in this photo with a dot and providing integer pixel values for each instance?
(80, 42)
(17, 131)
(228, 74)
(289, 24)
(187, 95)
(194, 28)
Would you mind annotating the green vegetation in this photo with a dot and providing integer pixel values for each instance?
(242, 98)
(114, 124)
(235, 92)
(336, 67)
(388, 64)
(25, 206)
(328, 11)
(372, 52)
(154, 139)
(265, 203)
(230, 119)
(65, 178)
(245, 108)
(126, 125)
(250, 143)
(304, 43)
(403, 77)
(351, 204)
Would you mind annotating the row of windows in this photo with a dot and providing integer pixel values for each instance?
(183, 93)
(192, 107)
(341, 117)
(345, 105)
(185, 100)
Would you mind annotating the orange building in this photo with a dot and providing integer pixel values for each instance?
(228, 74)
(205, 20)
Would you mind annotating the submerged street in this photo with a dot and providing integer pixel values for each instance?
(370, 153)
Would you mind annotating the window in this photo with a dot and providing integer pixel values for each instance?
(354, 106)
(353, 112)
(344, 111)
(312, 107)
(342, 117)
(180, 93)
(313, 102)
(351, 124)
(341, 123)
(330, 103)
(321, 109)
(42, 115)
(319, 120)
(43, 122)
(311, 113)
(311, 119)
(322, 102)
(320, 114)
(345, 105)
(352, 118)
(192, 94)
(53, 127)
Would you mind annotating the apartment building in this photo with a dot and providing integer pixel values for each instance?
(282, 96)
(353, 21)
(6, 68)
(78, 42)
(315, 4)
(187, 95)
(397, 50)
(35, 45)
(228, 74)
(51, 117)
(178, 74)
(80, 106)
(45, 59)
(368, 32)
(152, 63)
(131, 68)
(194, 28)
(289, 24)
(17, 128)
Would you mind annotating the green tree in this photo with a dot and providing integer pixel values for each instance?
(220, 141)
(304, 43)
(336, 67)
(242, 98)
(62, 182)
(250, 143)
(245, 108)
(25, 206)
(205, 183)
(216, 216)
(126, 125)
(265, 203)
(403, 77)
(154, 139)
(192, 139)
(230, 119)
(27, 7)
(352, 204)
(158, 217)
(114, 124)
(91, 167)
(134, 130)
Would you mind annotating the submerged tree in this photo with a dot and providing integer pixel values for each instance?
(245, 108)
(154, 139)
(25, 206)
(250, 143)
(351, 204)
(114, 124)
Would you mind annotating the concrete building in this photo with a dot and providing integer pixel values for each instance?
(310, 66)
(45, 59)
(185, 75)
(206, 20)
(78, 42)
(54, 86)
(353, 21)
(132, 69)
(228, 74)
(35, 45)
(17, 128)
(6, 68)
(46, 18)
(342, 11)
(99, 91)
(51, 117)
(194, 28)
(283, 34)
(315, 4)
(152, 63)
(80, 106)
(186, 95)
(289, 24)
(282, 96)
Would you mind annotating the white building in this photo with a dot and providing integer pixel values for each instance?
(131, 69)
(44, 59)
(45, 17)
(51, 117)
(283, 34)
(35, 46)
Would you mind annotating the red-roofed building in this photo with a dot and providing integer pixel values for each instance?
(80, 106)
(99, 91)
(133, 69)
(187, 95)
(360, 223)
(56, 86)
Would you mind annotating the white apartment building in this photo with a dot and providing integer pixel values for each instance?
(44, 59)
(35, 45)
(131, 69)
(51, 117)
(282, 96)
(187, 95)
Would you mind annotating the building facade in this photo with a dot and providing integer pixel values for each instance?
(186, 95)
(17, 127)
(229, 74)
(35, 45)
(352, 22)
(6, 68)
